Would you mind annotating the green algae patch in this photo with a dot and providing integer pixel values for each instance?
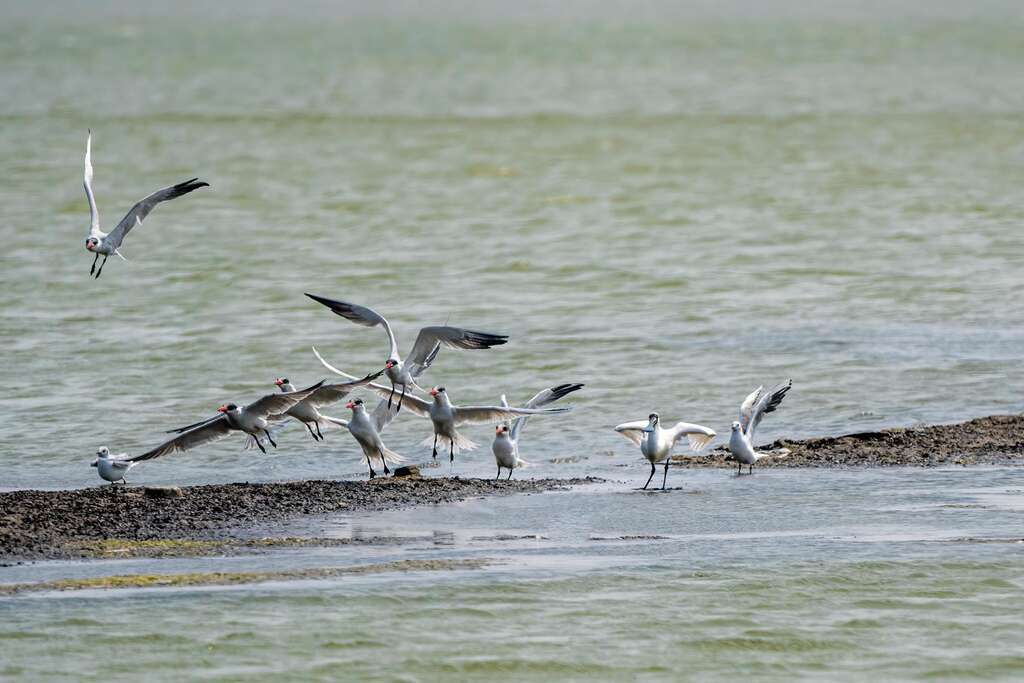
(170, 547)
(234, 578)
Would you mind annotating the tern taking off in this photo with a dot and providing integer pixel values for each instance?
(253, 419)
(506, 436)
(104, 243)
(307, 411)
(112, 468)
(428, 342)
(365, 429)
(656, 442)
(755, 407)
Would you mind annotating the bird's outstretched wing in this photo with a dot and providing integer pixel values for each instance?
(329, 394)
(138, 213)
(634, 431)
(360, 315)
(698, 435)
(275, 404)
(766, 403)
(207, 432)
(431, 339)
(94, 213)
(473, 414)
(542, 398)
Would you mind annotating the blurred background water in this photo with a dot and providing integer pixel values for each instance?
(671, 202)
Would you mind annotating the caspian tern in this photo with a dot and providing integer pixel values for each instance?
(506, 436)
(307, 411)
(428, 343)
(253, 419)
(754, 407)
(100, 242)
(656, 442)
(446, 417)
(366, 428)
(112, 468)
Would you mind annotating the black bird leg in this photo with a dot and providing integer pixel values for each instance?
(400, 399)
(92, 270)
(100, 271)
(451, 450)
(318, 432)
(750, 469)
(391, 396)
(270, 438)
(498, 476)
(383, 460)
(370, 465)
(665, 477)
(739, 469)
(509, 474)
(650, 477)
(435, 445)
(260, 445)
(311, 432)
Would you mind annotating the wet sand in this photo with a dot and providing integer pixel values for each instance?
(150, 521)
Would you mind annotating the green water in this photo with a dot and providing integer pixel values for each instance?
(672, 203)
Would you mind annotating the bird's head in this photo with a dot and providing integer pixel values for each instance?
(392, 362)
(500, 429)
(91, 243)
(103, 452)
(735, 426)
(652, 422)
(228, 408)
(281, 381)
(355, 405)
(437, 391)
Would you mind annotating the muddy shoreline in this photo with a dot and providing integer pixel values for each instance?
(155, 522)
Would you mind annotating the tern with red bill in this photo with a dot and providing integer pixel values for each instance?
(428, 342)
(106, 244)
(307, 411)
(656, 442)
(506, 435)
(254, 419)
(366, 429)
(755, 406)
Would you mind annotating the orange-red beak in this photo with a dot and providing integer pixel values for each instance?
(278, 382)
(350, 404)
(222, 409)
(433, 392)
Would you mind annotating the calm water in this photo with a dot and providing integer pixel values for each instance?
(670, 204)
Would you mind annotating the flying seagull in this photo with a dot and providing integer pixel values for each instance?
(308, 412)
(656, 442)
(506, 435)
(253, 419)
(428, 342)
(104, 243)
(754, 407)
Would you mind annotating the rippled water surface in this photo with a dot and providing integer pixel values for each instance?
(669, 202)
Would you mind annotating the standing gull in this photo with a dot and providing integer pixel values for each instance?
(253, 419)
(111, 468)
(755, 407)
(428, 342)
(506, 436)
(656, 442)
(104, 243)
(366, 429)
(308, 412)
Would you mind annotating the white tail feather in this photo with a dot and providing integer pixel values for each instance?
(392, 458)
(461, 442)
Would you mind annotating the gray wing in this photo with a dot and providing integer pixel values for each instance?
(360, 315)
(470, 414)
(208, 432)
(329, 394)
(94, 213)
(430, 340)
(138, 213)
(275, 404)
(766, 403)
(543, 398)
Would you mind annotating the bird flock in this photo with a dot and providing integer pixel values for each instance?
(399, 388)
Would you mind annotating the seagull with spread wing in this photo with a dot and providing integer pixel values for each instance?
(754, 407)
(506, 435)
(307, 411)
(104, 243)
(253, 419)
(428, 342)
(656, 442)
(365, 429)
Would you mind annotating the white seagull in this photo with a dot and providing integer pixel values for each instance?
(308, 412)
(754, 407)
(111, 468)
(506, 436)
(428, 342)
(656, 442)
(104, 243)
(365, 429)
(253, 419)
